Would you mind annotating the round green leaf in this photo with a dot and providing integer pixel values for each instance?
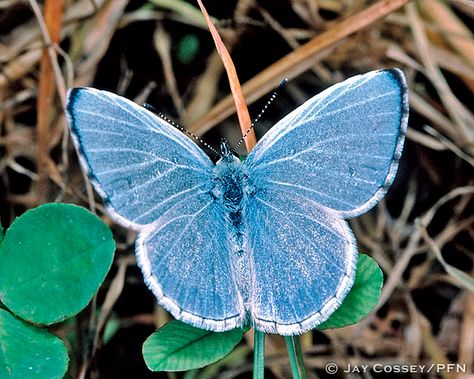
(362, 297)
(52, 261)
(29, 352)
(179, 347)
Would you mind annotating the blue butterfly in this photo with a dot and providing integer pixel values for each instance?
(263, 241)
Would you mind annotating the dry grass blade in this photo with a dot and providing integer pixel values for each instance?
(425, 140)
(317, 68)
(51, 28)
(451, 146)
(460, 191)
(241, 106)
(466, 341)
(462, 117)
(19, 66)
(431, 346)
(92, 38)
(205, 90)
(427, 110)
(115, 289)
(163, 47)
(395, 275)
(297, 61)
(185, 9)
(449, 61)
(455, 32)
(461, 277)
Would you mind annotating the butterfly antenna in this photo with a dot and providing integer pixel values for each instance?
(270, 100)
(179, 127)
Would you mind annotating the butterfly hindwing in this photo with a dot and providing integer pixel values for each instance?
(139, 164)
(340, 148)
(303, 261)
(185, 261)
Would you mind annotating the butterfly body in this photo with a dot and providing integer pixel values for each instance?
(231, 190)
(263, 241)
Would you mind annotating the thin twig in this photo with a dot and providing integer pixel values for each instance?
(297, 61)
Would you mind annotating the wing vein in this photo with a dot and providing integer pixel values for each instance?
(286, 184)
(185, 228)
(305, 235)
(171, 198)
(317, 144)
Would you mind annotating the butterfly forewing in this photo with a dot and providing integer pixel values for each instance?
(140, 165)
(340, 148)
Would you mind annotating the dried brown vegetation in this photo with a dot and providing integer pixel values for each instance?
(160, 51)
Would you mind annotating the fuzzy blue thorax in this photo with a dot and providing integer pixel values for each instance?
(231, 189)
(230, 179)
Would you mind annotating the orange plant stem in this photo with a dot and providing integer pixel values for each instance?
(237, 94)
(53, 11)
(298, 61)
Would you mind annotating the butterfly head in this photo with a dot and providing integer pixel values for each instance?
(226, 153)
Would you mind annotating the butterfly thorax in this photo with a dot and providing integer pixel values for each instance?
(229, 184)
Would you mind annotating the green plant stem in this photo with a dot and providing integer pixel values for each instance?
(258, 354)
(295, 355)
